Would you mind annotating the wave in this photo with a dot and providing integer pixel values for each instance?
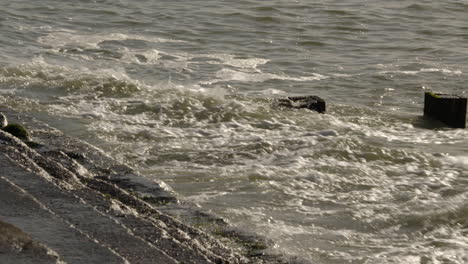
(233, 75)
(61, 80)
(71, 38)
(425, 70)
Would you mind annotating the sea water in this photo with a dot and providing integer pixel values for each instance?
(183, 92)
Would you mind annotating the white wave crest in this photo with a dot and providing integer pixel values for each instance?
(459, 161)
(233, 75)
(65, 38)
(425, 70)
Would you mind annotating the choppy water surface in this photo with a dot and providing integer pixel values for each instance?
(182, 91)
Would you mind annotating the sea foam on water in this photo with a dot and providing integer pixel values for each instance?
(184, 94)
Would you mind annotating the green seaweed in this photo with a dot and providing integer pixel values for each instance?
(17, 130)
(433, 94)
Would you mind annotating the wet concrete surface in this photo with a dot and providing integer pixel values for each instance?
(70, 203)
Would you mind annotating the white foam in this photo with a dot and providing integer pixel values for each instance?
(343, 75)
(233, 75)
(216, 92)
(205, 196)
(228, 59)
(424, 70)
(66, 38)
(272, 91)
(459, 161)
(324, 168)
(445, 71)
(146, 57)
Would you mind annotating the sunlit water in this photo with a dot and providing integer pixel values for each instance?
(183, 91)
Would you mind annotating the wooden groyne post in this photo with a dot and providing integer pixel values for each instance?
(448, 108)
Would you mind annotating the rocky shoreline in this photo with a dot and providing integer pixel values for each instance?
(65, 201)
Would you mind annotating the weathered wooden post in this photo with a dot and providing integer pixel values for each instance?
(448, 108)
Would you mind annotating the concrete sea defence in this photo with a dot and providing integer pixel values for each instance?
(65, 201)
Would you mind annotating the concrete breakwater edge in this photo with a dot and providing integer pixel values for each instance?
(65, 201)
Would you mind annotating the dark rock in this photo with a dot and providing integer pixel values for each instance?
(450, 109)
(76, 155)
(311, 102)
(33, 144)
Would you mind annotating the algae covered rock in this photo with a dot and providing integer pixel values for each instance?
(17, 130)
